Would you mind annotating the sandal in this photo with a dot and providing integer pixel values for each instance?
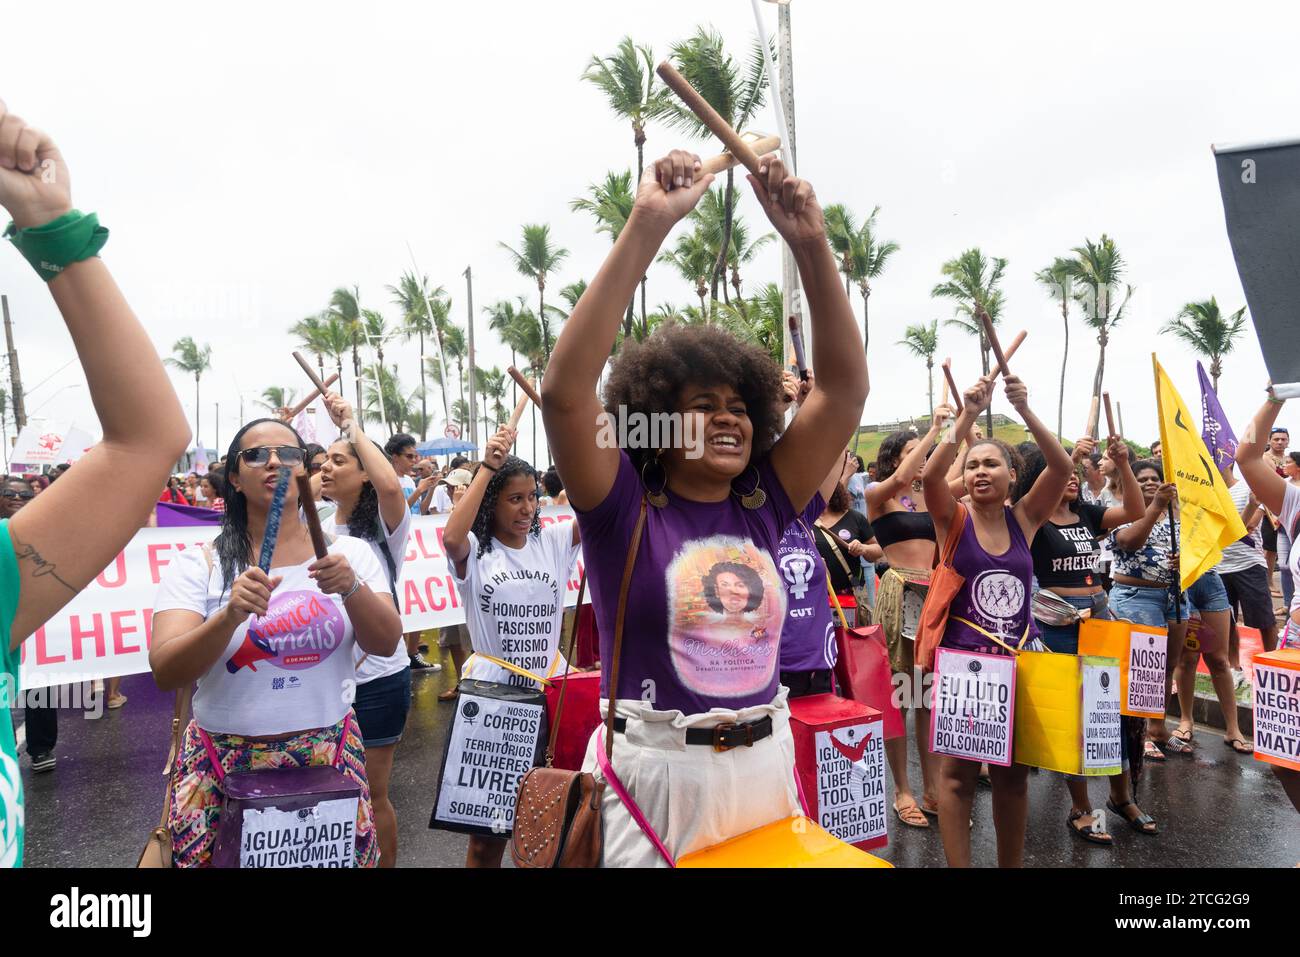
(912, 816)
(450, 694)
(1143, 823)
(1151, 751)
(1240, 745)
(116, 701)
(1094, 833)
(1180, 742)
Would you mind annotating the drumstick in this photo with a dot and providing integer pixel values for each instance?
(725, 161)
(307, 502)
(991, 335)
(1011, 349)
(519, 411)
(524, 384)
(796, 339)
(737, 147)
(943, 398)
(1093, 411)
(956, 394)
(272, 530)
(1110, 418)
(1119, 416)
(311, 373)
(315, 394)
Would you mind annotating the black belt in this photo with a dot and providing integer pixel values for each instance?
(722, 737)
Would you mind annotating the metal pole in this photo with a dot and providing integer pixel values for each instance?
(1177, 584)
(15, 378)
(469, 299)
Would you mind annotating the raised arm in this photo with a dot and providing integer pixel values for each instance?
(1036, 506)
(940, 495)
(885, 489)
(58, 550)
(455, 536)
(1133, 506)
(571, 409)
(1268, 486)
(833, 408)
(374, 461)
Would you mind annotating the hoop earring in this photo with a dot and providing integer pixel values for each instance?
(755, 498)
(655, 497)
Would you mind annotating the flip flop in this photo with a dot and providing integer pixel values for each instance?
(1094, 833)
(1151, 751)
(1180, 742)
(912, 816)
(1240, 745)
(1138, 823)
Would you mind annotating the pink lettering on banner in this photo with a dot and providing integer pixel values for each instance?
(118, 568)
(156, 562)
(80, 634)
(120, 630)
(43, 656)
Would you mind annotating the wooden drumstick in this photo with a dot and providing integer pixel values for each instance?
(1110, 418)
(311, 373)
(725, 161)
(1119, 416)
(518, 414)
(1011, 349)
(991, 335)
(307, 502)
(1093, 411)
(956, 393)
(524, 384)
(315, 394)
(736, 146)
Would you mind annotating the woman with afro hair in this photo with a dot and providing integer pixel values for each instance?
(512, 575)
(699, 721)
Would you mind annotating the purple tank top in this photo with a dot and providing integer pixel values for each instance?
(996, 594)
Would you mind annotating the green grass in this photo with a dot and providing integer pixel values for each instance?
(1206, 690)
(869, 442)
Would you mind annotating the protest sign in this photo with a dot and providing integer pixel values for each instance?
(974, 706)
(1277, 708)
(1067, 713)
(322, 836)
(1143, 655)
(839, 748)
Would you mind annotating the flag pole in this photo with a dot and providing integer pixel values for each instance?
(1176, 586)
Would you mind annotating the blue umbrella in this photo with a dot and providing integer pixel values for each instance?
(445, 446)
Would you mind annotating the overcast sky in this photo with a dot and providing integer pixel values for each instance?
(249, 158)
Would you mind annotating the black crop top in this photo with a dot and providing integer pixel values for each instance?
(894, 527)
(1066, 555)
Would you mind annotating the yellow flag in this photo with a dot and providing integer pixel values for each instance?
(1208, 521)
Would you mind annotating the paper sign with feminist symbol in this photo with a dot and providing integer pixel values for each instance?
(974, 706)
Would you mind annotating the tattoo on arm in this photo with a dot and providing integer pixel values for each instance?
(40, 565)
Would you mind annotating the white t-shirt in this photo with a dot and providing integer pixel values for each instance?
(370, 667)
(441, 499)
(294, 669)
(1290, 509)
(1244, 553)
(514, 603)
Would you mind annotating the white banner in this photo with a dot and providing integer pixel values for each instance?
(974, 706)
(37, 446)
(105, 630)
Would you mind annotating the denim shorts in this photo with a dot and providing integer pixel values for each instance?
(1147, 606)
(1208, 594)
(381, 706)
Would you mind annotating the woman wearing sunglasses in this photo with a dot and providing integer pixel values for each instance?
(16, 493)
(271, 651)
(49, 551)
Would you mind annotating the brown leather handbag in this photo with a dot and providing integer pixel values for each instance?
(557, 813)
(158, 847)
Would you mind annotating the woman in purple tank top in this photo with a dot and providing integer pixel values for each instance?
(991, 612)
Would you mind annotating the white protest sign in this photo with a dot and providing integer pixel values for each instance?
(851, 781)
(319, 836)
(1277, 712)
(492, 745)
(1101, 727)
(974, 706)
(1148, 657)
(106, 629)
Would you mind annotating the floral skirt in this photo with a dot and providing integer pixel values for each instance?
(197, 796)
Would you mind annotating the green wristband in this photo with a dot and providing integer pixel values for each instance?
(51, 248)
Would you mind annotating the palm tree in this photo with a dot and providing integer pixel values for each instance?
(1058, 279)
(611, 205)
(1203, 327)
(1097, 270)
(274, 398)
(384, 400)
(972, 286)
(761, 320)
(735, 91)
(862, 255)
(345, 305)
(536, 259)
(709, 217)
(376, 331)
(628, 81)
(414, 297)
(694, 260)
(922, 340)
(196, 360)
(492, 386)
(507, 320)
(455, 348)
(325, 335)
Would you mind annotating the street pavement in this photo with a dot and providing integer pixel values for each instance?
(1216, 809)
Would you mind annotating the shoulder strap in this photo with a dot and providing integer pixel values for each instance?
(564, 684)
(632, 549)
(835, 599)
(950, 540)
(180, 718)
(835, 547)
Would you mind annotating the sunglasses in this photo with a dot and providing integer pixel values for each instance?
(12, 493)
(260, 455)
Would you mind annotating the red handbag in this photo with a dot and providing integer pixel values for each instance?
(579, 717)
(862, 671)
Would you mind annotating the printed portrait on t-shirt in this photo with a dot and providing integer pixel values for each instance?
(727, 604)
(300, 630)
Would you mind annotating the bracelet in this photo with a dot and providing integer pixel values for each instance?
(68, 239)
(486, 466)
(356, 587)
(1275, 400)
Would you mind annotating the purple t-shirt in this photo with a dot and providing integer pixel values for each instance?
(996, 593)
(808, 640)
(706, 605)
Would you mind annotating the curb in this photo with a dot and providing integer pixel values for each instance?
(1206, 711)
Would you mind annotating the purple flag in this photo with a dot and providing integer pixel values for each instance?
(1219, 438)
(171, 516)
